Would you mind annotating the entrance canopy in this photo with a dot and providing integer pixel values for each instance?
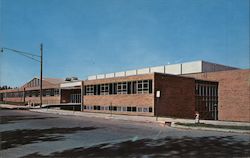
(71, 85)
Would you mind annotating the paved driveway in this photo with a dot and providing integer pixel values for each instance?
(31, 134)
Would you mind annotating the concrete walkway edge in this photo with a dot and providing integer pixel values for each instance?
(163, 121)
(210, 129)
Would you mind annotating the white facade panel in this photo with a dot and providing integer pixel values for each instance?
(92, 77)
(174, 69)
(131, 72)
(212, 67)
(120, 74)
(208, 67)
(110, 75)
(101, 76)
(160, 69)
(192, 67)
(143, 71)
(71, 84)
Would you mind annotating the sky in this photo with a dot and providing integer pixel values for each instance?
(88, 37)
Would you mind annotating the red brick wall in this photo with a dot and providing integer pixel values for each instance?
(46, 100)
(139, 100)
(16, 99)
(233, 93)
(120, 100)
(123, 100)
(177, 96)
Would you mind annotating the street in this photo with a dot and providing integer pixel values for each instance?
(32, 134)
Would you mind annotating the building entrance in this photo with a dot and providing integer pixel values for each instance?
(75, 98)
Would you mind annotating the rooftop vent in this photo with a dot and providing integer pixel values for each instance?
(71, 79)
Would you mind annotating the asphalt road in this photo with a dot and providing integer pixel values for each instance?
(31, 134)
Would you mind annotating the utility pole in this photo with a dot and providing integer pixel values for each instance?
(35, 58)
(41, 74)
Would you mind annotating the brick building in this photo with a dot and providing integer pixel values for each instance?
(216, 91)
(233, 93)
(29, 93)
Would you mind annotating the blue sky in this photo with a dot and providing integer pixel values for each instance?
(86, 37)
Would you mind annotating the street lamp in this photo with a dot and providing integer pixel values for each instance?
(35, 58)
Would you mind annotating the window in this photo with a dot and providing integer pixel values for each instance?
(97, 89)
(104, 89)
(113, 108)
(134, 109)
(110, 88)
(139, 109)
(56, 92)
(33, 93)
(119, 108)
(134, 87)
(37, 93)
(145, 109)
(122, 88)
(129, 108)
(129, 87)
(89, 90)
(52, 92)
(96, 107)
(47, 92)
(102, 108)
(150, 86)
(139, 87)
(150, 109)
(146, 86)
(124, 108)
(143, 86)
(106, 107)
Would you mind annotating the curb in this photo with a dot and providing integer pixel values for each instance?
(210, 129)
(159, 122)
(91, 115)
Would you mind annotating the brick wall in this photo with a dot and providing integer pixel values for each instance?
(122, 100)
(234, 97)
(46, 100)
(16, 99)
(177, 96)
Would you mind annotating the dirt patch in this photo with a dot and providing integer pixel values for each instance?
(167, 147)
(10, 139)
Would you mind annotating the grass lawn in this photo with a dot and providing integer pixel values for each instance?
(214, 126)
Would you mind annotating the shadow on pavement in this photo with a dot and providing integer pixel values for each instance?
(166, 147)
(15, 118)
(10, 139)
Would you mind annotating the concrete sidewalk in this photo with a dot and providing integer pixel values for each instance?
(146, 119)
(98, 115)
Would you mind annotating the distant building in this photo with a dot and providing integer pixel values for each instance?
(216, 91)
(29, 93)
